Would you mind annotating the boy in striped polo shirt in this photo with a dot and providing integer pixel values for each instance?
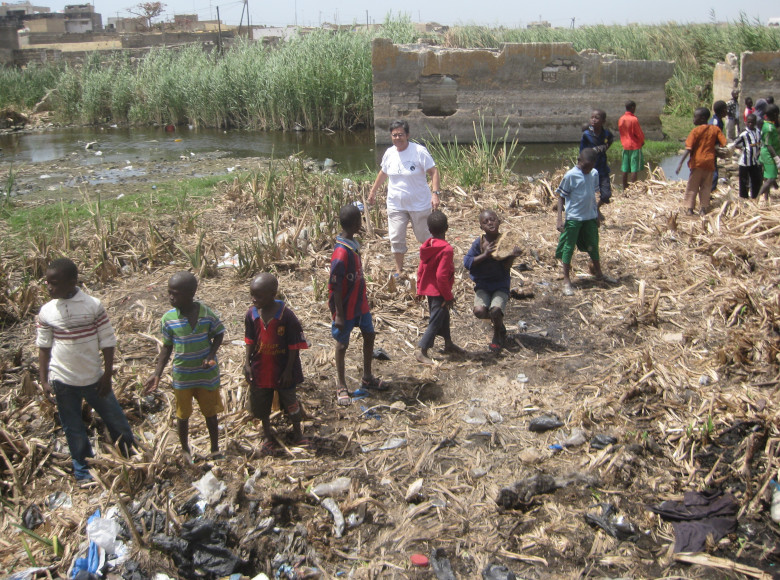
(750, 169)
(193, 333)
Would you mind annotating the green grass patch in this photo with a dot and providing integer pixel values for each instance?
(180, 200)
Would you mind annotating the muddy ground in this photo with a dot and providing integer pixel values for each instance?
(677, 362)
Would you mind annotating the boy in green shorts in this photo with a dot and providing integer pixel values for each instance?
(770, 149)
(632, 138)
(581, 228)
(193, 333)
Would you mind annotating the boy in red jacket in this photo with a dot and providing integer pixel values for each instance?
(435, 276)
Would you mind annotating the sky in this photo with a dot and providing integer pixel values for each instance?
(560, 13)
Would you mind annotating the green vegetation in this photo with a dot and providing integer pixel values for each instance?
(323, 79)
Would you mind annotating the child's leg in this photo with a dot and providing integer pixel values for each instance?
(705, 191)
(756, 179)
(567, 275)
(498, 303)
(183, 427)
(481, 304)
(341, 353)
(368, 354)
(744, 181)
(260, 402)
(691, 190)
(111, 412)
(765, 188)
(212, 424)
(289, 402)
(69, 403)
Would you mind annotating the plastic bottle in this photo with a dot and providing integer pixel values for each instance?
(775, 509)
(338, 485)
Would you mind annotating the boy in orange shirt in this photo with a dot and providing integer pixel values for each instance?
(700, 146)
(632, 138)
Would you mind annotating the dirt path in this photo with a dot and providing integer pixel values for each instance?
(678, 362)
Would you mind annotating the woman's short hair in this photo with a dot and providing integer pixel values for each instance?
(399, 124)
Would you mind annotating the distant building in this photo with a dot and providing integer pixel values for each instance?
(125, 25)
(539, 24)
(81, 18)
(46, 23)
(21, 9)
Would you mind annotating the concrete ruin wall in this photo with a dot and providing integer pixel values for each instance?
(760, 75)
(544, 91)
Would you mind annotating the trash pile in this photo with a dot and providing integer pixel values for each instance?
(620, 428)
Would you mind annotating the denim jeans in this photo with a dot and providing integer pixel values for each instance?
(69, 400)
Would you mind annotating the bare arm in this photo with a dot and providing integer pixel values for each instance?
(684, 157)
(559, 224)
(108, 363)
(211, 358)
(162, 360)
(433, 172)
(44, 358)
(381, 177)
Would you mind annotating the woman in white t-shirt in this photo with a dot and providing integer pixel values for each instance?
(406, 166)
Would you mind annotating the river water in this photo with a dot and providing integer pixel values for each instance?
(352, 151)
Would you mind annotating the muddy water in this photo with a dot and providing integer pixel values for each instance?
(351, 151)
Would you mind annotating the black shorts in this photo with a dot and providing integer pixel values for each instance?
(261, 400)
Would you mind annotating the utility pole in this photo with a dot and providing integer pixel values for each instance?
(572, 23)
(219, 33)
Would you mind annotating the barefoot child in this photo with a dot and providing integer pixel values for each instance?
(435, 276)
(750, 169)
(632, 138)
(73, 331)
(581, 228)
(700, 146)
(770, 150)
(348, 303)
(274, 339)
(193, 333)
(491, 277)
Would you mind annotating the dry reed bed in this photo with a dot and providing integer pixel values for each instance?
(679, 362)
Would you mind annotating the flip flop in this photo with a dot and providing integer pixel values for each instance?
(342, 396)
(306, 443)
(375, 384)
(494, 348)
(270, 449)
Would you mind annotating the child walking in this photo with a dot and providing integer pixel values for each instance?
(750, 170)
(435, 277)
(599, 138)
(632, 138)
(193, 333)
(491, 277)
(581, 228)
(274, 339)
(700, 146)
(349, 304)
(73, 330)
(770, 150)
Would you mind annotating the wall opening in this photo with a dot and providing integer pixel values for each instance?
(438, 96)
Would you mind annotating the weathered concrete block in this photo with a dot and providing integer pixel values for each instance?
(542, 92)
(759, 75)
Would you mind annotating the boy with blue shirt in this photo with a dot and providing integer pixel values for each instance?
(581, 228)
(599, 138)
(491, 277)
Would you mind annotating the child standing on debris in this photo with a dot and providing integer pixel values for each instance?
(632, 138)
(750, 171)
(193, 333)
(700, 146)
(435, 277)
(491, 277)
(732, 115)
(349, 304)
(719, 110)
(770, 150)
(72, 332)
(599, 138)
(274, 339)
(581, 228)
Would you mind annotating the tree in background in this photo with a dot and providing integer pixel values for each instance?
(147, 11)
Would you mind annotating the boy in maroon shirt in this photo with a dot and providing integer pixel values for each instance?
(349, 305)
(435, 276)
(274, 339)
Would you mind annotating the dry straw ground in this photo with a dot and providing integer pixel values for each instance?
(679, 362)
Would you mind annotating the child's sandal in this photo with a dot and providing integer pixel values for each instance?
(342, 397)
(270, 449)
(375, 384)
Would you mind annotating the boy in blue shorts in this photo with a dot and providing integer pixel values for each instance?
(581, 228)
(599, 138)
(274, 339)
(193, 333)
(349, 304)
